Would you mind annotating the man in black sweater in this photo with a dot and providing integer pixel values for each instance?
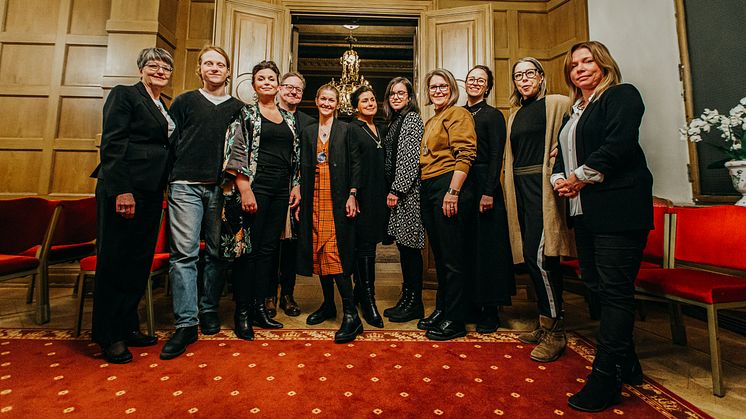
(195, 199)
(290, 95)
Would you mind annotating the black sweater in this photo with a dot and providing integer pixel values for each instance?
(528, 132)
(201, 126)
(490, 127)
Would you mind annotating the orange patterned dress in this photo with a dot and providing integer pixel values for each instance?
(326, 259)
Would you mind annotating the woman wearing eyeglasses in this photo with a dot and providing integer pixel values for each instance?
(330, 173)
(538, 228)
(262, 156)
(367, 137)
(490, 281)
(402, 172)
(449, 146)
(135, 142)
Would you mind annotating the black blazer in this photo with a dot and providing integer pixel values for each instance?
(607, 139)
(134, 143)
(344, 173)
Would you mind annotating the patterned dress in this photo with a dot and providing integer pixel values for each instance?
(326, 259)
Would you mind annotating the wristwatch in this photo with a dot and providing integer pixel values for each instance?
(353, 193)
(453, 192)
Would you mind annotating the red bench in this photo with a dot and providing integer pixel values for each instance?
(708, 245)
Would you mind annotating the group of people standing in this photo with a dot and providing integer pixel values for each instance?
(278, 193)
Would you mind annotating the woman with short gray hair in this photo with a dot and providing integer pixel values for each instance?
(129, 195)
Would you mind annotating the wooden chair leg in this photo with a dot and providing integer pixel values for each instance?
(80, 282)
(149, 311)
(715, 361)
(678, 329)
(30, 290)
(42, 297)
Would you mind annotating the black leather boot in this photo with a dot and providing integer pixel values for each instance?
(242, 321)
(412, 309)
(393, 311)
(432, 321)
(631, 370)
(365, 281)
(602, 389)
(351, 324)
(489, 320)
(328, 309)
(261, 317)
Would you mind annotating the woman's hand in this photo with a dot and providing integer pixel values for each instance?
(295, 197)
(351, 207)
(248, 201)
(125, 205)
(450, 205)
(570, 187)
(486, 203)
(392, 200)
(297, 213)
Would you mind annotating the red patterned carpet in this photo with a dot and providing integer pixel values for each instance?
(302, 373)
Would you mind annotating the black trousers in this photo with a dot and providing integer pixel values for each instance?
(124, 250)
(545, 271)
(252, 271)
(410, 260)
(283, 268)
(447, 242)
(609, 263)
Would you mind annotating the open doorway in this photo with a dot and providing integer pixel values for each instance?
(386, 47)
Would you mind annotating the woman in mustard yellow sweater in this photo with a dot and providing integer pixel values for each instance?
(449, 145)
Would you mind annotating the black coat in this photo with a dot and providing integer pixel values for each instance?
(373, 219)
(344, 172)
(134, 143)
(607, 139)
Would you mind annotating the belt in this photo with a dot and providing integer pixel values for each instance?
(528, 170)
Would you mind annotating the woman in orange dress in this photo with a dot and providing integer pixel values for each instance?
(330, 176)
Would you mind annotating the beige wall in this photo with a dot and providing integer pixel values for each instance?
(58, 58)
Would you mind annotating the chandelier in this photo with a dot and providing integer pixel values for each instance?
(351, 78)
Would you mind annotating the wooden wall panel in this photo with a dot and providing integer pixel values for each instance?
(86, 16)
(533, 32)
(71, 172)
(84, 65)
(17, 59)
(22, 117)
(201, 16)
(80, 117)
(19, 170)
(32, 16)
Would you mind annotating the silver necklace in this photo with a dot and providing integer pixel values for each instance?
(377, 141)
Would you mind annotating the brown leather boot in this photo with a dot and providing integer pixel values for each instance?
(533, 337)
(552, 342)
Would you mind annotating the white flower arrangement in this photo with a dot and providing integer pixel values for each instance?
(732, 126)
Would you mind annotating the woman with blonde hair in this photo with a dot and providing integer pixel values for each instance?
(601, 168)
(538, 230)
(330, 173)
(448, 148)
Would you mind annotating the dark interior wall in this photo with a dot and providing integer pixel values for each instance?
(717, 54)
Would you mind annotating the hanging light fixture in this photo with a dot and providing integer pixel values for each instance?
(351, 78)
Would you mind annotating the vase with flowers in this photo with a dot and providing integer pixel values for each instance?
(733, 131)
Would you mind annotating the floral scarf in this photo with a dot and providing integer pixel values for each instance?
(242, 141)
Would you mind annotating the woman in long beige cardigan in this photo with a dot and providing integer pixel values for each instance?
(536, 216)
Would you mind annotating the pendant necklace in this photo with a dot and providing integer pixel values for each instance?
(377, 141)
(321, 156)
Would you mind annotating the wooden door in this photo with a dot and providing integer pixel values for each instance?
(455, 39)
(251, 31)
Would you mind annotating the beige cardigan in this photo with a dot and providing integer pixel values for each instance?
(558, 239)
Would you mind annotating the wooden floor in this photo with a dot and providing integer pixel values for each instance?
(684, 370)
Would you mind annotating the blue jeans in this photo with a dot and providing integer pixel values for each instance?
(192, 208)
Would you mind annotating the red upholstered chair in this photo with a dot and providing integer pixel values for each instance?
(75, 235)
(157, 268)
(27, 226)
(709, 249)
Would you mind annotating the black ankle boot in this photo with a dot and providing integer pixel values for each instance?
(631, 370)
(328, 309)
(603, 389)
(261, 317)
(489, 320)
(351, 324)
(365, 281)
(242, 321)
(432, 321)
(412, 309)
(393, 311)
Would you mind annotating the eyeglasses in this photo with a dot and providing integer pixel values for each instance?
(477, 81)
(400, 94)
(292, 88)
(530, 74)
(441, 87)
(154, 67)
